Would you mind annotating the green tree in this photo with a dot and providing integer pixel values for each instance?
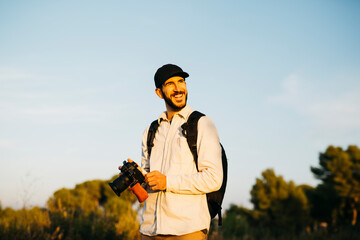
(339, 172)
(279, 207)
(93, 211)
(89, 211)
(323, 201)
(235, 224)
(24, 224)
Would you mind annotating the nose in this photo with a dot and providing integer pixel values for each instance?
(177, 87)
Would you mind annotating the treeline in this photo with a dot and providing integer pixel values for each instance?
(90, 211)
(281, 209)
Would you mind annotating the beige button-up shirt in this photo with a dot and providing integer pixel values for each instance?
(182, 207)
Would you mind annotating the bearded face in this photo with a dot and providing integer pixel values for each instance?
(174, 93)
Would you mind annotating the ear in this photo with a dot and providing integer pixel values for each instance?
(159, 93)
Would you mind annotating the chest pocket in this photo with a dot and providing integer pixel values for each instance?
(181, 154)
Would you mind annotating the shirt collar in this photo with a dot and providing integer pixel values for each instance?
(184, 113)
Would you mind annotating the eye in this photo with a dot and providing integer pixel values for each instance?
(169, 84)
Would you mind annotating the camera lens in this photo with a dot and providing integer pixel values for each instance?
(120, 184)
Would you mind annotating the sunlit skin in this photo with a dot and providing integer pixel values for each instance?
(174, 93)
(156, 180)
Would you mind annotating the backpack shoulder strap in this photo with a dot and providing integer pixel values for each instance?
(190, 130)
(151, 135)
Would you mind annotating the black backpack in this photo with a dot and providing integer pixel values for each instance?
(190, 131)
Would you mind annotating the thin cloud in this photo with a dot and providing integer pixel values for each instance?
(342, 112)
(55, 114)
(26, 96)
(329, 112)
(291, 92)
(11, 74)
(8, 144)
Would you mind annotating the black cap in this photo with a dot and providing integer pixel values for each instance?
(167, 71)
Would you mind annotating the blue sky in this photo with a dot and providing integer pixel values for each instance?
(280, 79)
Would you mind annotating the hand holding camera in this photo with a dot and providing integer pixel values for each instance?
(156, 180)
(130, 177)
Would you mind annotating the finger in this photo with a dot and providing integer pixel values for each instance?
(153, 173)
(152, 182)
(151, 177)
(148, 175)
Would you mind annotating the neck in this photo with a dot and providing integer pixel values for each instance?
(170, 112)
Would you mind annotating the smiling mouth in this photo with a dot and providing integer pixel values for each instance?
(178, 95)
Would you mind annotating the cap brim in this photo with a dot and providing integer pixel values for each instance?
(181, 74)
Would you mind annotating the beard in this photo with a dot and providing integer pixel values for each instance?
(172, 104)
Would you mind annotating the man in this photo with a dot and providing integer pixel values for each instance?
(177, 207)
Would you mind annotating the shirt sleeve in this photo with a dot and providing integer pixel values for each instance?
(210, 174)
(145, 165)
